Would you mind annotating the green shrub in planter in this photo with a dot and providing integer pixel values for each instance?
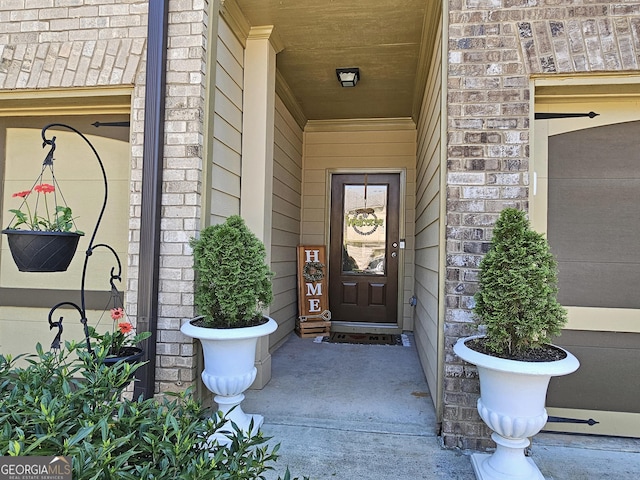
(69, 403)
(518, 288)
(233, 282)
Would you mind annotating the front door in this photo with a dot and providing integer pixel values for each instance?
(364, 248)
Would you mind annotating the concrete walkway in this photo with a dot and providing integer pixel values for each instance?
(363, 412)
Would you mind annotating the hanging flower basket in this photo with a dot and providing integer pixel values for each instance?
(39, 251)
(127, 354)
(121, 343)
(42, 236)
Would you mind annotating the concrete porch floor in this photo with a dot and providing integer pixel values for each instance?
(351, 412)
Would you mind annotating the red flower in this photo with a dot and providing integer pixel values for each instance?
(125, 327)
(44, 188)
(22, 194)
(117, 313)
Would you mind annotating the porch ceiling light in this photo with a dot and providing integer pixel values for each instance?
(348, 77)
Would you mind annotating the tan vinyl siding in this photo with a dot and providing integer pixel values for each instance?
(285, 235)
(227, 126)
(359, 146)
(428, 203)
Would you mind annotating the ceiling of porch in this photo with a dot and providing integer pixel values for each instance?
(381, 37)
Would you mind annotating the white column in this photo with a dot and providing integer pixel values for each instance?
(256, 188)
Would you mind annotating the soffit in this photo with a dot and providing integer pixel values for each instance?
(380, 37)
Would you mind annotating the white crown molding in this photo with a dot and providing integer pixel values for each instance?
(286, 95)
(430, 32)
(267, 32)
(231, 13)
(360, 124)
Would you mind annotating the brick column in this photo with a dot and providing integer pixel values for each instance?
(487, 159)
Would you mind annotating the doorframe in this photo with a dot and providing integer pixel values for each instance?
(360, 327)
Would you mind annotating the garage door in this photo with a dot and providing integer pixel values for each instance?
(586, 196)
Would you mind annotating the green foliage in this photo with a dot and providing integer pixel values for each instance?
(116, 343)
(518, 288)
(62, 220)
(69, 403)
(233, 282)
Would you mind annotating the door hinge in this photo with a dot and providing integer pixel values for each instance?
(591, 422)
(550, 116)
(111, 124)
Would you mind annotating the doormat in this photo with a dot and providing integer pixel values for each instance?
(365, 338)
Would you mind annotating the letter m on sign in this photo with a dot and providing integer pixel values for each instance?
(314, 289)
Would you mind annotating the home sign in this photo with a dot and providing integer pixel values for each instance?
(313, 297)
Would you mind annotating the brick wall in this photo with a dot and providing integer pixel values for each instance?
(46, 44)
(102, 43)
(494, 47)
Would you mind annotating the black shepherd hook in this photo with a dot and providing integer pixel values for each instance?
(48, 161)
(55, 345)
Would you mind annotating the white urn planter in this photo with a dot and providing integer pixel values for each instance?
(512, 404)
(229, 369)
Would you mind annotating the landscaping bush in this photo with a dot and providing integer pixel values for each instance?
(517, 299)
(70, 403)
(233, 281)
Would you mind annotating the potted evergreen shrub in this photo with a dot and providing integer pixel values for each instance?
(233, 287)
(517, 306)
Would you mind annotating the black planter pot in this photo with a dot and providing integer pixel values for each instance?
(128, 355)
(34, 251)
